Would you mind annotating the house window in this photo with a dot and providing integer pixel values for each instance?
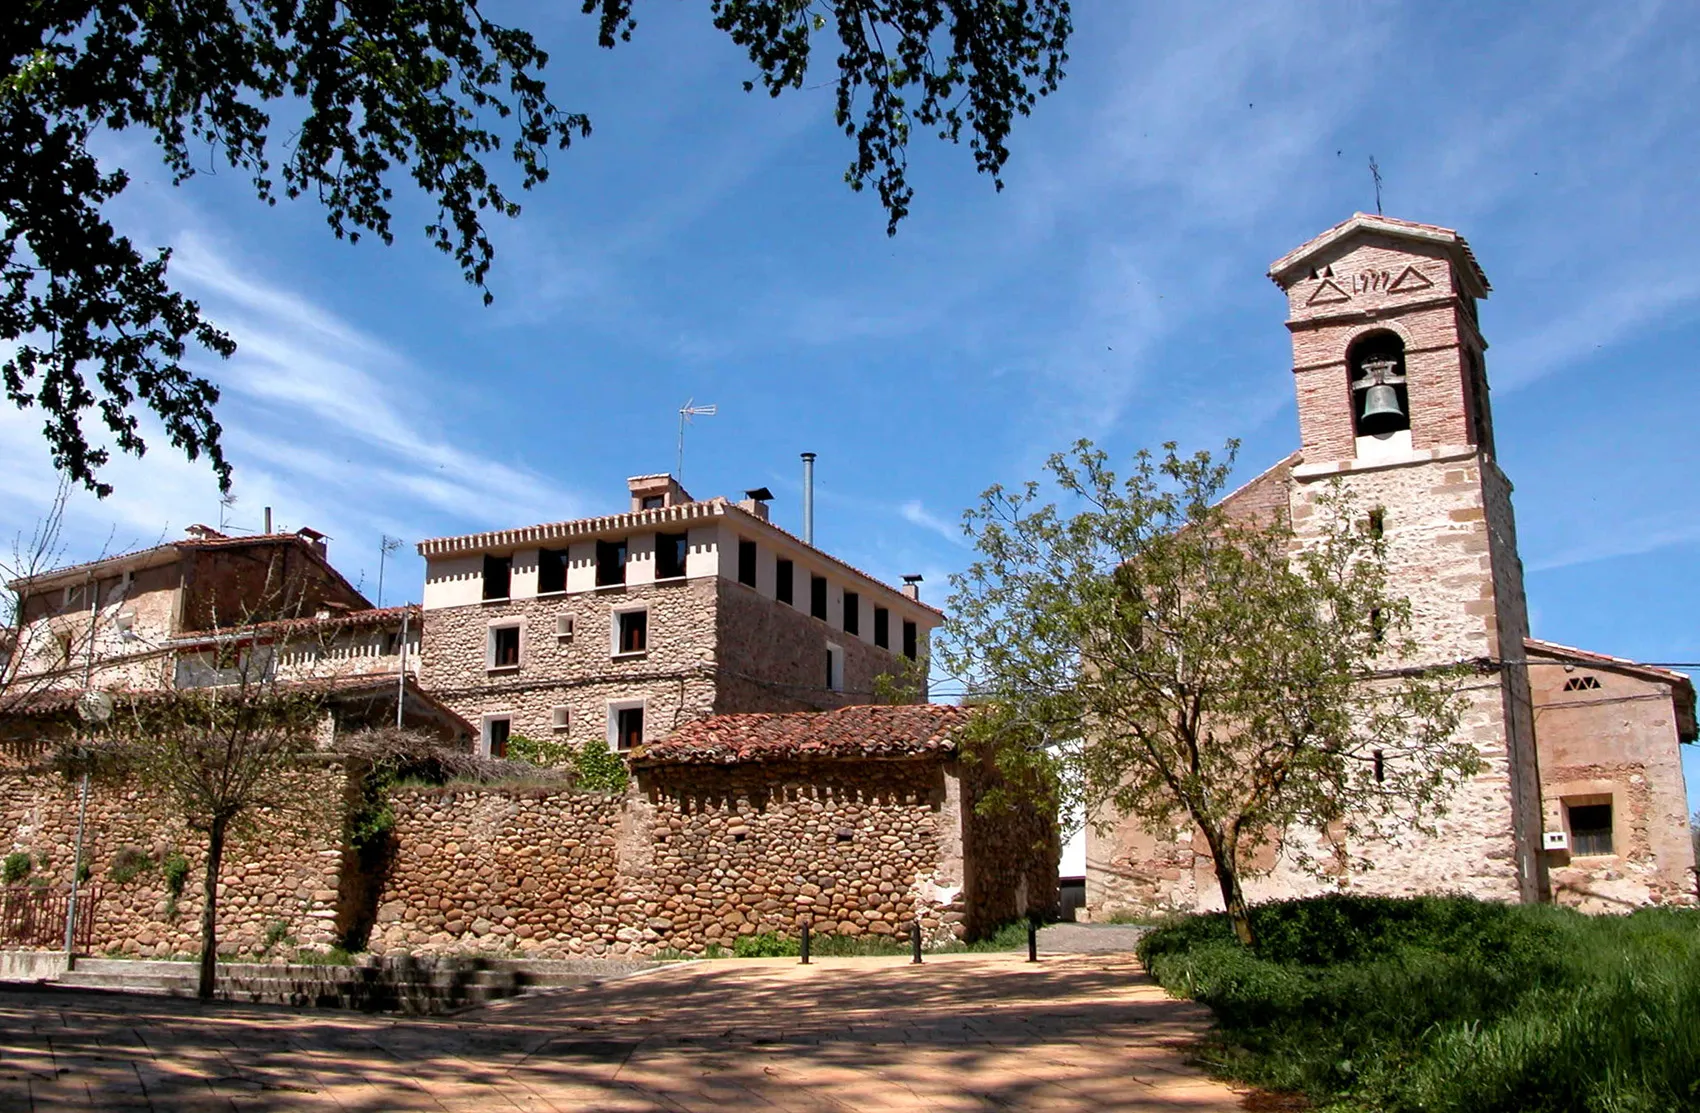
(498, 576)
(1377, 522)
(671, 550)
(852, 613)
(562, 717)
(625, 725)
(503, 648)
(1590, 828)
(834, 668)
(652, 502)
(911, 635)
(610, 562)
(495, 739)
(631, 631)
(747, 563)
(817, 597)
(551, 571)
(782, 575)
(882, 627)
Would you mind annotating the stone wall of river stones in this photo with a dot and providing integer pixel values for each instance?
(690, 859)
(279, 877)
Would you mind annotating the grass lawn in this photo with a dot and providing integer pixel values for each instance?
(1448, 1004)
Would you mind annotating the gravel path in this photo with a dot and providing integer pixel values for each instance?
(1090, 939)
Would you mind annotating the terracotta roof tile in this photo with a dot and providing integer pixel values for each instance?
(849, 733)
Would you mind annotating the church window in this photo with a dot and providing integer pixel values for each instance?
(1380, 404)
(1481, 419)
(1590, 828)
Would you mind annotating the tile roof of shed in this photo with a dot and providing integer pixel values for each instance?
(849, 733)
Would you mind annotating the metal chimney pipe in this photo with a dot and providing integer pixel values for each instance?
(268, 519)
(808, 498)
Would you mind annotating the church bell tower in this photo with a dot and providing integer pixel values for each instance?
(1393, 401)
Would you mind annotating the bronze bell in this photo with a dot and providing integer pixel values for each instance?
(1382, 400)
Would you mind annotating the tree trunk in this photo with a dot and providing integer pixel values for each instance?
(209, 910)
(1233, 898)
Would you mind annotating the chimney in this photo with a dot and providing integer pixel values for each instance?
(268, 528)
(808, 498)
(755, 501)
(912, 586)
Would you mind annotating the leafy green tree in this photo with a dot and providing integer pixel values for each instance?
(224, 758)
(1151, 654)
(367, 96)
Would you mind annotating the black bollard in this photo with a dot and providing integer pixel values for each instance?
(1032, 940)
(805, 960)
(915, 941)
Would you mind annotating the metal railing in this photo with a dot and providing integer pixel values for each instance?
(35, 918)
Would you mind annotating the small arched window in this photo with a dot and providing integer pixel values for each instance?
(1379, 402)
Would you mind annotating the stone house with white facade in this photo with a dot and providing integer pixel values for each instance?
(1580, 798)
(627, 626)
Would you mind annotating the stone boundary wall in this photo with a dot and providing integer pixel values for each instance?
(278, 878)
(689, 859)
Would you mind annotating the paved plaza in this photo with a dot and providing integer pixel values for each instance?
(959, 1032)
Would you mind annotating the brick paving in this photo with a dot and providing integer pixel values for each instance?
(960, 1032)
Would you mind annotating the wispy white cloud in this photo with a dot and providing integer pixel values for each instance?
(915, 513)
(1624, 540)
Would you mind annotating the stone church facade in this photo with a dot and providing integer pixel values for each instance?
(1580, 798)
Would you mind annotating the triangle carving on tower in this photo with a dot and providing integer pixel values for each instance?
(1328, 294)
(1410, 280)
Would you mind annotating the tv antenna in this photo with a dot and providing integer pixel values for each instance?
(1375, 175)
(386, 546)
(686, 412)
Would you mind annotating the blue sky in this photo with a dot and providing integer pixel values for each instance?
(701, 244)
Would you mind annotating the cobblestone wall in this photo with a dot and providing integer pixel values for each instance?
(279, 876)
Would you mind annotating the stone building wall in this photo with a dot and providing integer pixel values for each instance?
(674, 676)
(1615, 744)
(780, 664)
(1011, 855)
(281, 875)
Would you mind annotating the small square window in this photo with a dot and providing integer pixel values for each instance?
(817, 597)
(562, 718)
(652, 502)
(498, 577)
(852, 613)
(564, 627)
(496, 736)
(610, 562)
(1590, 828)
(504, 647)
(783, 571)
(631, 631)
(747, 563)
(882, 627)
(911, 638)
(551, 571)
(671, 551)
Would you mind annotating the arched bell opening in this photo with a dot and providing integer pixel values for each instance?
(1380, 405)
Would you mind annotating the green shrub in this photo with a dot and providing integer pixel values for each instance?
(544, 752)
(277, 935)
(16, 867)
(768, 944)
(128, 864)
(175, 870)
(1449, 1003)
(599, 768)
